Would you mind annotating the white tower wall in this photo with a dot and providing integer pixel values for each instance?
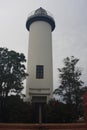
(39, 85)
(40, 53)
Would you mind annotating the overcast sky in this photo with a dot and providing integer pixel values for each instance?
(69, 36)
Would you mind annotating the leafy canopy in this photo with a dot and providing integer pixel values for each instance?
(71, 87)
(12, 72)
(70, 83)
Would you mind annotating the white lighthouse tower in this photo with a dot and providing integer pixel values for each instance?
(39, 85)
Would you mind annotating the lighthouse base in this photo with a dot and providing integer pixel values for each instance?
(39, 99)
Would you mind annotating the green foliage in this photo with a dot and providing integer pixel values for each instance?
(15, 110)
(12, 72)
(54, 112)
(71, 87)
(58, 112)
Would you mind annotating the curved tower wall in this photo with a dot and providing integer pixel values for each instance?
(40, 53)
(39, 85)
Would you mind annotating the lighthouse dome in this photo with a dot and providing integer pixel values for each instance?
(40, 11)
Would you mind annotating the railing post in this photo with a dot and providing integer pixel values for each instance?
(40, 114)
(85, 107)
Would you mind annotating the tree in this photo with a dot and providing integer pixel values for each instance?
(12, 74)
(71, 86)
(16, 110)
(55, 112)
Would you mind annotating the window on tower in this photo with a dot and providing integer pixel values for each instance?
(39, 71)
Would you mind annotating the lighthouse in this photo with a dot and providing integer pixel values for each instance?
(39, 84)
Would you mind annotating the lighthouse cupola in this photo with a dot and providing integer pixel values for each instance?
(40, 15)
